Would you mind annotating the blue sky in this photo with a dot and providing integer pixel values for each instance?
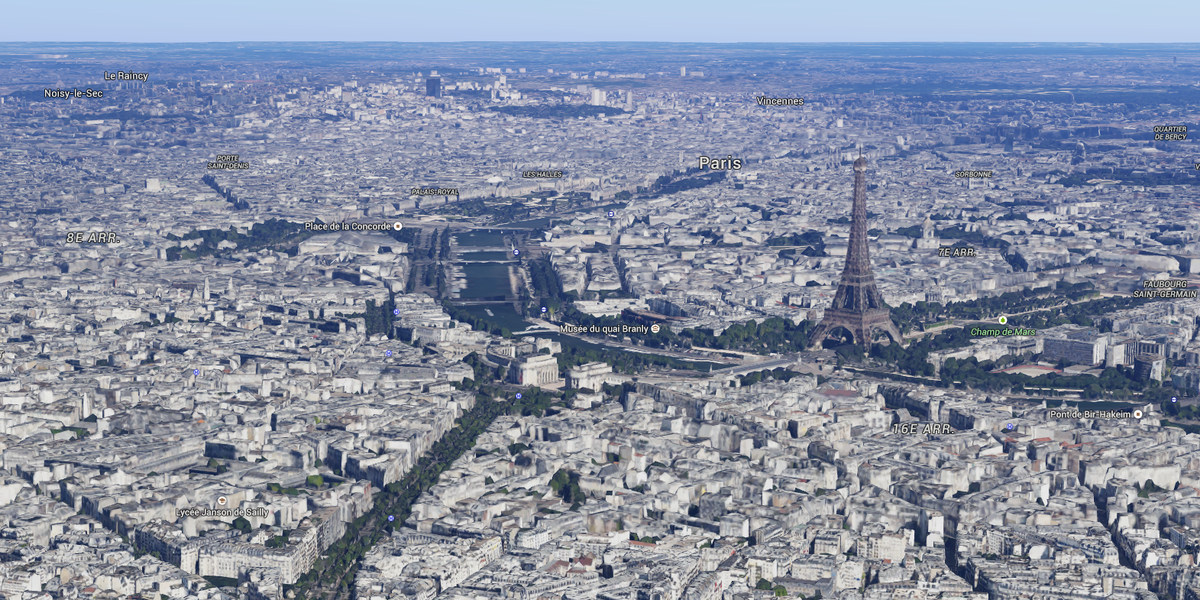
(1105, 21)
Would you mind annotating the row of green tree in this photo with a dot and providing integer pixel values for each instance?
(272, 233)
(1113, 381)
(407, 235)
(440, 280)
(226, 193)
(772, 335)
(667, 185)
(779, 374)
(1052, 304)
(438, 247)
(1177, 409)
(547, 289)
(379, 318)
(812, 241)
(335, 570)
(477, 323)
(410, 285)
(630, 363)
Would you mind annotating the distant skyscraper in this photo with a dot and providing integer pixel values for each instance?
(599, 98)
(433, 87)
(683, 71)
(857, 306)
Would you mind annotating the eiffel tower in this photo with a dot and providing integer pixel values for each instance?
(857, 306)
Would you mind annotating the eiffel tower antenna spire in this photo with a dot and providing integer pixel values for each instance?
(858, 305)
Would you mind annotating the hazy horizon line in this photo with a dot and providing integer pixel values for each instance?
(1089, 43)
